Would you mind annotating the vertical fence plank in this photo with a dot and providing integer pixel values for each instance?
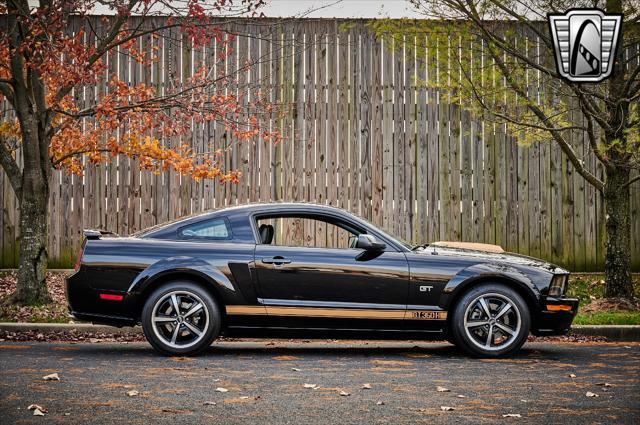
(579, 141)
(388, 189)
(523, 198)
(444, 114)
(354, 115)
(276, 50)
(365, 105)
(433, 152)
(376, 135)
(320, 167)
(265, 86)
(410, 137)
(332, 124)
(332, 114)
(399, 141)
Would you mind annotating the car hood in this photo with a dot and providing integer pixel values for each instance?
(490, 257)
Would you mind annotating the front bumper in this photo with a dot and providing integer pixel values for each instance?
(556, 316)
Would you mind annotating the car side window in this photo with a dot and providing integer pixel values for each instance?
(303, 232)
(211, 229)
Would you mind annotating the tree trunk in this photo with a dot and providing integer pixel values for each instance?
(617, 264)
(34, 232)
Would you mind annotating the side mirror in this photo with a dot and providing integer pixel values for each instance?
(369, 243)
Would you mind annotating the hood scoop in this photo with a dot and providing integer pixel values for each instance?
(497, 249)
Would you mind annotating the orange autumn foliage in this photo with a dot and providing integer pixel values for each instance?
(147, 122)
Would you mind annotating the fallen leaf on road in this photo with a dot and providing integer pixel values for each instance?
(295, 369)
(391, 363)
(443, 389)
(512, 415)
(572, 375)
(312, 386)
(209, 403)
(285, 358)
(379, 403)
(446, 408)
(344, 394)
(172, 410)
(52, 377)
(590, 394)
(366, 386)
(133, 393)
(222, 390)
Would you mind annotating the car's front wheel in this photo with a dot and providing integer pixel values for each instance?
(490, 320)
(181, 318)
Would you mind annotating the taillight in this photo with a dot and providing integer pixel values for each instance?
(79, 259)
(111, 297)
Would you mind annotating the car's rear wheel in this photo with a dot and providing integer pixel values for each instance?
(181, 318)
(490, 320)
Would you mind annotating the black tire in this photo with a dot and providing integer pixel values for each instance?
(206, 319)
(473, 340)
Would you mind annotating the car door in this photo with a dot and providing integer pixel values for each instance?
(332, 287)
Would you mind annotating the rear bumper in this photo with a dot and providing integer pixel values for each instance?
(556, 316)
(85, 303)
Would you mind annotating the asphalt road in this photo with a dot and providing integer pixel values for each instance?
(265, 383)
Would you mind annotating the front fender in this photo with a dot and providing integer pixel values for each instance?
(180, 264)
(486, 272)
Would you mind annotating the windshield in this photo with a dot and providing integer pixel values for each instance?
(397, 240)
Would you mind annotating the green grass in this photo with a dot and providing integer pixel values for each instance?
(608, 318)
(585, 286)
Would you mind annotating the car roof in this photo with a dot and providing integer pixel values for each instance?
(277, 206)
(235, 211)
(244, 209)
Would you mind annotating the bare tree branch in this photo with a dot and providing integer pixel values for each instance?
(631, 181)
(11, 168)
(557, 136)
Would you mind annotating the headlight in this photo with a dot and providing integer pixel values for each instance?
(558, 285)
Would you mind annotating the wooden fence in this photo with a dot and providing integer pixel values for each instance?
(361, 136)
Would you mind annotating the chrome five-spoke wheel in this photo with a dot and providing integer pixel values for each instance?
(181, 318)
(492, 321)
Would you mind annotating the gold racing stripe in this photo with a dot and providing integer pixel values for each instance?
(331, 312)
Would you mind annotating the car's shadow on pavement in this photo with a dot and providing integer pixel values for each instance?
(314, 349)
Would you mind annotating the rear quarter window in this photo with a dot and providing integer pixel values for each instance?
(215, 229)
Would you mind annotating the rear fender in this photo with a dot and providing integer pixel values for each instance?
(181, 265)
(488, 272)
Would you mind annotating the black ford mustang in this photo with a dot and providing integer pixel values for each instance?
(287, 270)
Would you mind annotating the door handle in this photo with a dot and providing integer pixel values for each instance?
(276, 261)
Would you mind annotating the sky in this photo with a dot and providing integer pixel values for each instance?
(323, 8)
(341, 9)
